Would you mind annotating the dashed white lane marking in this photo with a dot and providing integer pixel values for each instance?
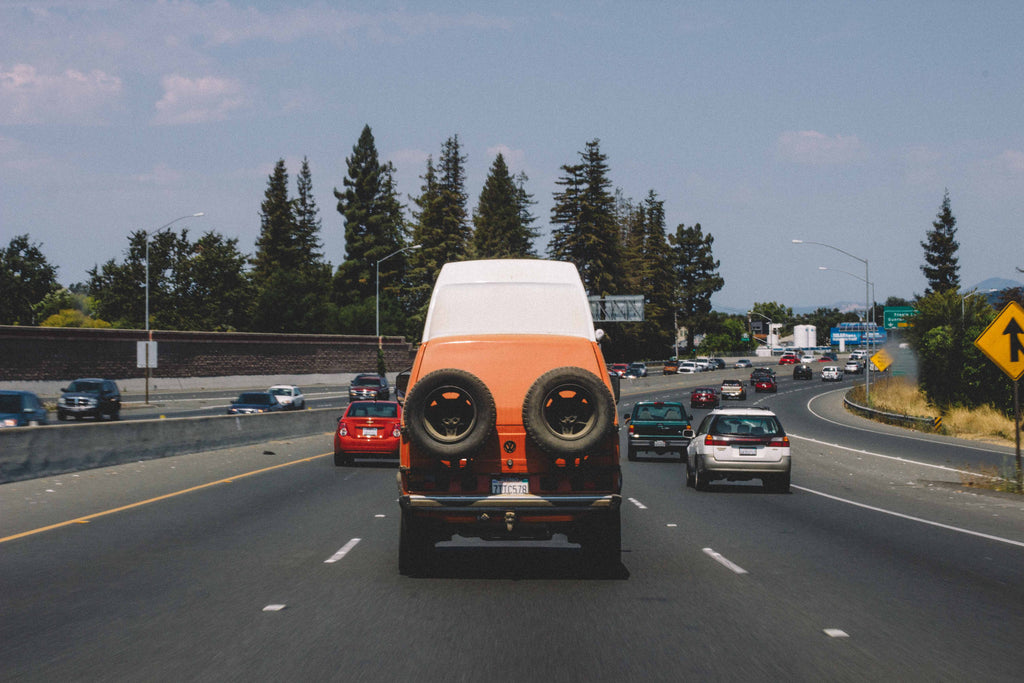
(929, 522)
(836, 633)
(343, 552)
(380, 516)
(636, 502)
(717, 557)
(671, 526)
(273, 608)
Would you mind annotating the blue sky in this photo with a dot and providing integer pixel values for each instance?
(764, 122)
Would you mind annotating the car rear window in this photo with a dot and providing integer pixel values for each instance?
(747, 425)
(254, 398)
(366, 382)
(372, 410)
(646, 413)
(79, 385)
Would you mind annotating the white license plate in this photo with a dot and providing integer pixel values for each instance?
(369, 431)
(660, 444)
(513, 486)
(748, 451)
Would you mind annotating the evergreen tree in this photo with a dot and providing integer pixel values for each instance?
(218, 294)
(942, 267)
(440, 228)
(588, 235)
(25, 279)
(500, 231)
(696, 276)
(289, 274)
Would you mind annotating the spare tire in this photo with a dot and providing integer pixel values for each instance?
(568, 412)
(449, 414)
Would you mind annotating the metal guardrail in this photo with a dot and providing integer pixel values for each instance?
(930, 422)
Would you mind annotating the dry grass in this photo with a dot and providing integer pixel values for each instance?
(901, 396)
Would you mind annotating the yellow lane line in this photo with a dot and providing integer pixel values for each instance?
(227, 480)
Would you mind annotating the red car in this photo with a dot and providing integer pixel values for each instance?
(789, 359)
(369, 429)
(766, 384)
(619, 368)
(702, 397)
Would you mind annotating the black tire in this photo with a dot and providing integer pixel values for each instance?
(415, 547)
(342, 460)
(116, 415)
(777, 483)
(689, 473)
(630, 454)
(450, 414)
(602, 546)
(700, 477)
(568, 412)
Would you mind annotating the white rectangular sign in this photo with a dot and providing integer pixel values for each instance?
(142, 358)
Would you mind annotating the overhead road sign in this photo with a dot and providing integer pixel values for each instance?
(897, 317)
(1003, 340)
(620, 308)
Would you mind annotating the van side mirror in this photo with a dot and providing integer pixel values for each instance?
(402, 381)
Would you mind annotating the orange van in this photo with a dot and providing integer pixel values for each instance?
(509, 429)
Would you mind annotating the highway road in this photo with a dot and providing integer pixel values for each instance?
(269, 563)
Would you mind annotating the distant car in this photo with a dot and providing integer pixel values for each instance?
(853, 367)
(249, 402)
(636, 370)
(619, 368)
(758, 373)
(831, 373)
(21, 409)
(766, 384)
(828, 358)
(733, 389)
(289, 396)
(369, 385)
(658, 427)
(788, 359)
(704, 364)
(704, 397)
(807, 358)
(803, 371)
(689, 367)
(670, 367)
(718, 362)
(368, 428)
(743, 363)
(90, 397)
(739, 444)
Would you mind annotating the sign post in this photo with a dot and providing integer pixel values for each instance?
(1003, 342)
(145, 357)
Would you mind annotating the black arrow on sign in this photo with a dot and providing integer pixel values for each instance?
(1016, 345)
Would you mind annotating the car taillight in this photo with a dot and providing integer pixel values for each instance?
(396, 431)
(343, 430)
(710, 440)
(779, 441)
(631, 430)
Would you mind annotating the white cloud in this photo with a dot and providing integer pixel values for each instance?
(198, 100)
(28, 96)
(817, 149)
(514, 158)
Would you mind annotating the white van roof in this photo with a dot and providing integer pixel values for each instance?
(508, 296)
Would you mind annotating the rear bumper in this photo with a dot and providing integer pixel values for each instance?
(752, 467)
(659, 444)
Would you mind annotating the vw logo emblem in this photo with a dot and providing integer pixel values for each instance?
(509, 446)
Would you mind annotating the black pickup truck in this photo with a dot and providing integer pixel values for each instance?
(657, 427)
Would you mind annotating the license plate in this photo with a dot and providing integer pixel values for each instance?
(510, 486)
(369, 431)
(748, 451)
(660, 444)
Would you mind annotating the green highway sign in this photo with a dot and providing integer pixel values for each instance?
(896, 317)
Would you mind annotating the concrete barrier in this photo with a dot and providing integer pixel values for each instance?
(30, 452)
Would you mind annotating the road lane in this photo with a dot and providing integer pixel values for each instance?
(177, 588)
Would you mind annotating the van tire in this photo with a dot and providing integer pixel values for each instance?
(415, 547)
(568, 412)
(449, 414)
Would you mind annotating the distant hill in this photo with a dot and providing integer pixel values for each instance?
(997, 284)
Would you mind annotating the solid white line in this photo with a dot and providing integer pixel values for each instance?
(957, 529)
(717, 557)
(636, 502)
(880, 455)
(343, 552)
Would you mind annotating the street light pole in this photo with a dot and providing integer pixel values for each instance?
(867, 303)
(771, 325)
(149, 337)
(377, 297)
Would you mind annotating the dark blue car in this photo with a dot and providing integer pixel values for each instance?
(254, 402)
(21, 409)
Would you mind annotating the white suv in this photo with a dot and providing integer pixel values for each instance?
(739, 444)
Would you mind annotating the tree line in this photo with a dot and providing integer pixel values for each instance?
(619, 245)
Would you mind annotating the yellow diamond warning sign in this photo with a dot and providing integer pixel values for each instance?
(1003, 340)
(881, 360)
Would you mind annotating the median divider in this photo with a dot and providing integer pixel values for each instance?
(31, 452)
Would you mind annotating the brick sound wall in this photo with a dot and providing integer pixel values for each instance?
(50, 353)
